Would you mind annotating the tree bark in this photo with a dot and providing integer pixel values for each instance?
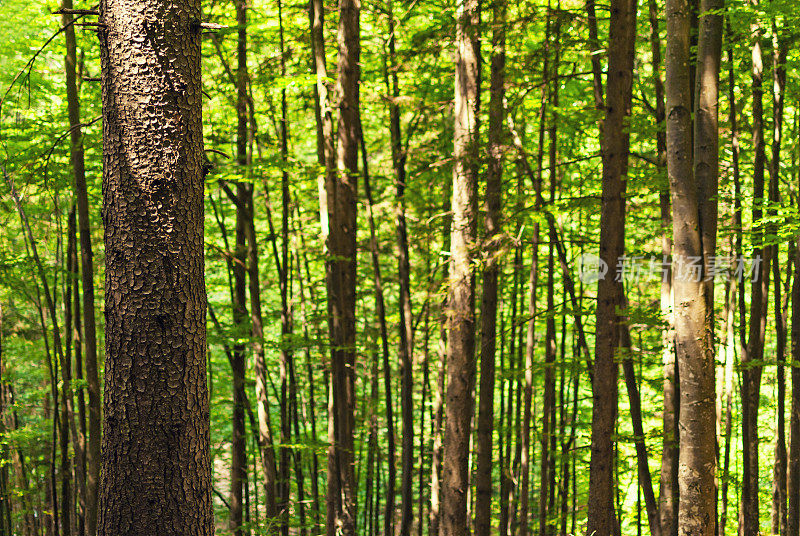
(601, 516)
(461, 298)
(156, 474)
(341, 276)
(491, 269)
(693, 183)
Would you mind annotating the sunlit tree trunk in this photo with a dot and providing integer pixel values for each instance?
(156, 466)
(461, 298)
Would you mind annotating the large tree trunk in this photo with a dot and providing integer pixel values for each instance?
(461, 298)
(156, 474)
(693, 184)
(341, 275)
(87, 275)
(493, 222)
(615, 147)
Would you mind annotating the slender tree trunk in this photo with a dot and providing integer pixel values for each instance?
(779, 513)
(668, 480)
(156, 465)
(87, 274)
(67, 505)
(461, 297)
(492, 243)
(406, 345)
(438, 399)
(793, 480)
(286, 355)
(754, 354)
(601, 516)
(341, 276)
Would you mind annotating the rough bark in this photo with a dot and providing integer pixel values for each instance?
(601, 514)
(461, 298)
(156, 474)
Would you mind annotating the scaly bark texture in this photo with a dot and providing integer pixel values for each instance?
(341, 275)
(461, 299)
(602, 519)
(156, 474)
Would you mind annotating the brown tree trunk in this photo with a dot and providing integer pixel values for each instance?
(341, 276)
(668, 479)
(779, 513)
(65, 469)
(156, 474)
(693, 183)
(461, 298)
(406, 345)
(793, 480)
(87, 275)
(601, 516)
(754, 354)
(239, 290)
(491, 269)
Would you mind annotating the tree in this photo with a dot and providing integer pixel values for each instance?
(461, 298)
(156, 470)
(341, 193)
(602, 519)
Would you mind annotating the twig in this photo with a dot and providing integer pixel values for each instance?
(64, 11)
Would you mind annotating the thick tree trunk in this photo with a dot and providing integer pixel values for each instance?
(492, 243)
(341, 275)
(156, 474)
(693, 184)
(461, 298)
(601, 516)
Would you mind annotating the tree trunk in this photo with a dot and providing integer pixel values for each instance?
(406, 345)
(693, 187)
(492, 243)
(87, 275)
(601, 516)
(793, 483)
(341, 276)
(461, 298)
(779, 513)
(156, 474)
(239, 289)
(754, 354)
(668, 480)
